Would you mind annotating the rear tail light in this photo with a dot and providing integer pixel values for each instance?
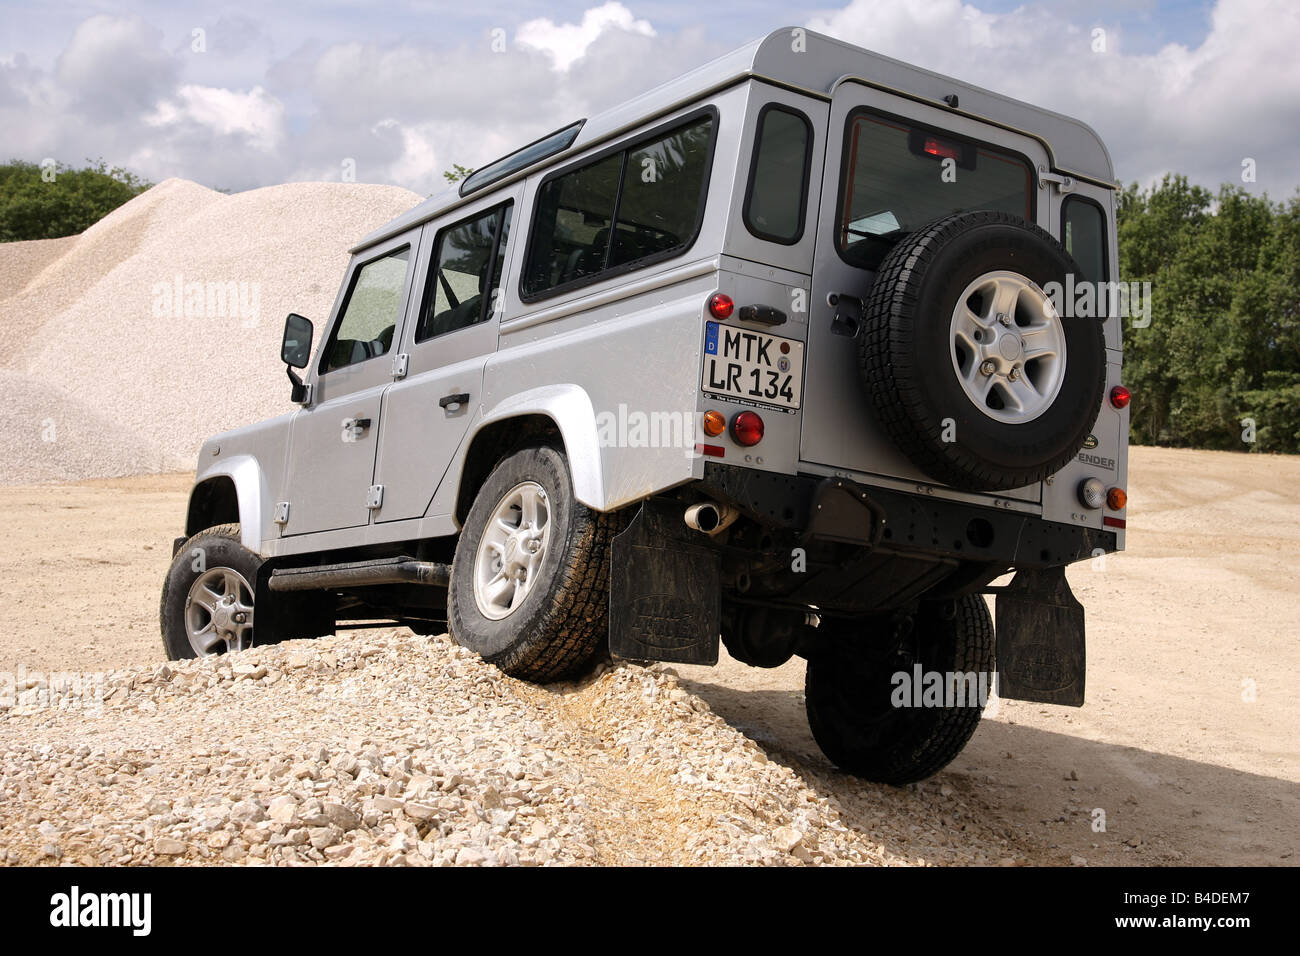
(1120, 396)
(747, 429)
(721, 306)
(1116, 499)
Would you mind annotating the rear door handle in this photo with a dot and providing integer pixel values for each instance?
(358, 424)
(848, 314)
(459, 399)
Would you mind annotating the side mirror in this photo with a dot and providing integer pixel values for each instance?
(295, 351)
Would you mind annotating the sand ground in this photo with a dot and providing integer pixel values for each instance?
(1189, 742)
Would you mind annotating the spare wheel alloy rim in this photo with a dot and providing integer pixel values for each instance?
(511, 551)
(1007, 344)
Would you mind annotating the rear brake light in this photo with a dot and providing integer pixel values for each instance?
(747, 429)
(937, 147)
(1120, 396)
(721, 306)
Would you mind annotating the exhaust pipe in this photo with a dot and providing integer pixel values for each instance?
(710, 517)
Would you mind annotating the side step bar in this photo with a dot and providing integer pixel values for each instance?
(359, 574)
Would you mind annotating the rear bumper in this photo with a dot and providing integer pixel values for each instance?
(908, 525)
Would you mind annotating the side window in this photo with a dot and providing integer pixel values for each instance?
(624, 209)
(1083, 232)
(571, 231)
(464, 274)
(774, 205)
(370, 312)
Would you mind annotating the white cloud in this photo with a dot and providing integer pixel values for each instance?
(255, 116)
(1197, 110)
(114, 63)
(237, 117)
(567, 43)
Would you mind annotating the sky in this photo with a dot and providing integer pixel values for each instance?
(237, 96)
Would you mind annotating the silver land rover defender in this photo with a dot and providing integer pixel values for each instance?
(788, 354)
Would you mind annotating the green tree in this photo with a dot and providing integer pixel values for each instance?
(456, 173)
(48, 202)
(1223, 344)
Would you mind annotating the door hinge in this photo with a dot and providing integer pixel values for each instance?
(400, 361)
(1062, 182)
(375, 497)
(282, 512)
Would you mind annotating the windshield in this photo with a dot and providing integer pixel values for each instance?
(898, 177)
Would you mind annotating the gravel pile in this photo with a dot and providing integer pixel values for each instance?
(389, 748)
(106, 371)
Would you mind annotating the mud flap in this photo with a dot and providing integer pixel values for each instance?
(665, 598)
(1040, 639)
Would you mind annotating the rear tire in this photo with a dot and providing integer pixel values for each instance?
(851, 694)
(530, 579)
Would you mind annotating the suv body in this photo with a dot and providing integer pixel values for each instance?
(704, 253)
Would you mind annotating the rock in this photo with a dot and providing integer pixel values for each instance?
(419, 811)
(340, 816)
(321, 837)
(166, 846)
(786, 839)
(247, 811)
(471, 856)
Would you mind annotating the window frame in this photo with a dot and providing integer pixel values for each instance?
(913, 124)
(1105, 229)
(625, 146)
(357, 269)
(430, 277)
(809, 143)
(500, 169)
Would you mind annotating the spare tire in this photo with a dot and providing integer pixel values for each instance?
(972, 371)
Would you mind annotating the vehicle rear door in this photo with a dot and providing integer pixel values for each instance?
(892, 165)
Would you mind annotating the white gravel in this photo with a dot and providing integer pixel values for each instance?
(388, 748)
(101, 376)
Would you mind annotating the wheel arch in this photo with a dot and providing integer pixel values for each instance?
(562, 413)
(231, 492)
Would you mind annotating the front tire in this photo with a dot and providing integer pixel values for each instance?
(207, 598)
(862, 721)
(530, 579)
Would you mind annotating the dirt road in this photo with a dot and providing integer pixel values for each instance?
(1189, 744)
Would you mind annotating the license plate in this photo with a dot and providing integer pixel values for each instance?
(752, 367)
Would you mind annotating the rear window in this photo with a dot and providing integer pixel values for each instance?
(621, 211)
(898, 177)
(1083, 231)
(778, 176)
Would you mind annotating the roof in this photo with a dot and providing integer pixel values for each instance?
(821, 66)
